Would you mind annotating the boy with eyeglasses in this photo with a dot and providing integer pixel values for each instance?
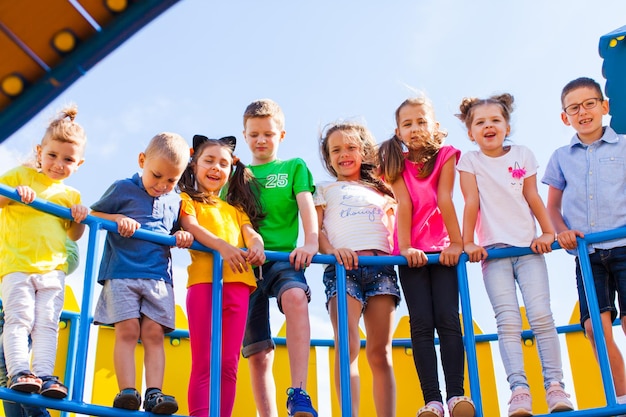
(586, 180)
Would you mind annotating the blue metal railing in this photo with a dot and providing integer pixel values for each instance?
(80, 323)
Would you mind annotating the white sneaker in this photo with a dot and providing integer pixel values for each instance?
(520, 404)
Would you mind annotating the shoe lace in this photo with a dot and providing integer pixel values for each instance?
(559, 393)
(299, 398)
(519, 397)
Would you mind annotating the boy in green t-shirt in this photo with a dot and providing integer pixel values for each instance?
(286, 189)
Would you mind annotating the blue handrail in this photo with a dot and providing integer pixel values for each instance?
(79, 338)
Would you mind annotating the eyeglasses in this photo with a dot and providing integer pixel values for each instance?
(588, 104)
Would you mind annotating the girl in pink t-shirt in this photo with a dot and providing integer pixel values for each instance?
(421, 172)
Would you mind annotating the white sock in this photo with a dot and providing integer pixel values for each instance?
(621, 399)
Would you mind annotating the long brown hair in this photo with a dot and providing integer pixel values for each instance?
(391, 152)
(243, 188)
(369, 165)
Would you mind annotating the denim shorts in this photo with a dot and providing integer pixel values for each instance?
(273, 279)
(364, 282)
(609, 275)
(131, 298)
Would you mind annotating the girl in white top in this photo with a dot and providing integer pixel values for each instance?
(499, 184)
(356, 217)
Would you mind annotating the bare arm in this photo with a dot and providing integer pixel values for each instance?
(450, 255)
(301, 257)
(233, 256)
(565, 236)
(414, 257)
(469, 187)
(543, 243)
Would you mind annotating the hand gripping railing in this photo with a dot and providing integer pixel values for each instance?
(79, 341)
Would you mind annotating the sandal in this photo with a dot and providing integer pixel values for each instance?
(432, 409)
(159, 403)
(52, 387)
(25, 381)
(461, 406)
(128, 399)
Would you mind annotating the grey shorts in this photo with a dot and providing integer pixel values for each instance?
(131, 298)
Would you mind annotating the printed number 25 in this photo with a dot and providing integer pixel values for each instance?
(277, 181)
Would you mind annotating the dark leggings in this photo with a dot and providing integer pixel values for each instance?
(432, 296)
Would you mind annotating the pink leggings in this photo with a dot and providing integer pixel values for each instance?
(234, 313)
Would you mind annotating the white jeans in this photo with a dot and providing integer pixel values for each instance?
(32, 306)
(531, 274)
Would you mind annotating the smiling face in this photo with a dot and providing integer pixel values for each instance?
(160, 174)
(416, 125)
(345, 155)
(212, 168)
(587, 122)
(489, 128)
(58, 160)
(263, 134)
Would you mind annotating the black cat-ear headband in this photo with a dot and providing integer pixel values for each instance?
(229, 141)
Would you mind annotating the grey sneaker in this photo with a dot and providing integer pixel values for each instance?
(520, 404)
(557, 398)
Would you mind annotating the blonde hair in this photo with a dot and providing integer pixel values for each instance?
(265, 108)
(61, 128)
(171, 146)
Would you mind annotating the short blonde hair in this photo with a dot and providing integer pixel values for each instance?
(265, 108)
(168, 145)
(64, 129)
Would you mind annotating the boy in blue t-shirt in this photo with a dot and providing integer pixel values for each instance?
(138, 296)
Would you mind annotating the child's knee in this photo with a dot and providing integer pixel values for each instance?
(294, 298)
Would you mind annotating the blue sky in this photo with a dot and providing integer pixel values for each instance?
(195, 68)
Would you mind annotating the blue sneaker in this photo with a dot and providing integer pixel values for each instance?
(299, 403)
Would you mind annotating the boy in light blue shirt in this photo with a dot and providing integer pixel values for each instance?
(587, 181)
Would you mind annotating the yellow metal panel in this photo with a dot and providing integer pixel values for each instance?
(104, 379)
(408, 392)
(47, 17)
(97, 10)
(366, 403)
(178, 364)
(244, 400)
(16, 60)
(70, 304)
(585, 369)
(532, 366)
(486, 374)
(282, 375)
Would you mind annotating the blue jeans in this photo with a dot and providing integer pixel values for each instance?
(273, 279)
(531, 274)
(608, 267)
(364, 282)
(12, 409)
